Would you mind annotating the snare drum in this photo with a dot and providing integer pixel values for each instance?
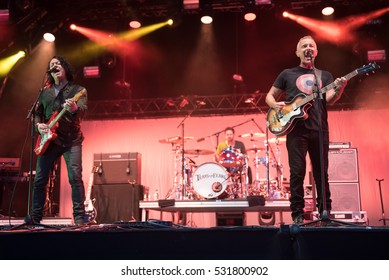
(230, 157)
(210, 180)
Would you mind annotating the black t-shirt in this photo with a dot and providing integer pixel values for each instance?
(298, 80)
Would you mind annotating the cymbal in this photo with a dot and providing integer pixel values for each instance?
(255, 149)
(276, 140)
(175, 139)
(198, 152)
(252, 135)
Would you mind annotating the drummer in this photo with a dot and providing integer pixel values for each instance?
(229, 143)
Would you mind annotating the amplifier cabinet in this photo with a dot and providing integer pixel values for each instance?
(117, 168)
(343, 165)
(345, 196)
(117, 203)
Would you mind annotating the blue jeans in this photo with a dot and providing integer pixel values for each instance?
(45, 163)
(301, 141)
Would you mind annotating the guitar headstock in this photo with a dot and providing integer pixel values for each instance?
(79, 94)
(368, 68)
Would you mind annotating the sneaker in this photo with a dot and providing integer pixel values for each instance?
(298, 220)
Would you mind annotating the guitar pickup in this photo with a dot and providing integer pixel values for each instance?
(279, 115)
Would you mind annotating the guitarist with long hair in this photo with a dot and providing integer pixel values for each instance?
(62, 104)
(306, 132)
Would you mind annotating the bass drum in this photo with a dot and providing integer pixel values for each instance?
(210, 180)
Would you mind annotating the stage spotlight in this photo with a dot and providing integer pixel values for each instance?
(109, 60)
(4, 15)
(91, 72)
(250, 10)
(134, 24)
(250, 16)
(376, 55)
(206, 11)
(7, 63)
(206, 19)
(73, 26)
(170, 22)
(49, 37)
(327, 11)
(285, 14)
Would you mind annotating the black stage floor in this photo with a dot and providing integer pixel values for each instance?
(157, 240)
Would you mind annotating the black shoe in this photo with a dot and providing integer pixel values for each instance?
(80, 220)
(31, 220)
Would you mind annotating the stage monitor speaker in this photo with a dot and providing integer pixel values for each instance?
(117, 202)
(117, 168)
(345, 196)
(343, 165)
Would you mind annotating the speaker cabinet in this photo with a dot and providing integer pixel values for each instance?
(117, 168)
(345, 196)
(117, 203)
(343, 165)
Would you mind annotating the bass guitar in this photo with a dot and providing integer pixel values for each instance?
(90, 210)
(281, 121)
(45, 139)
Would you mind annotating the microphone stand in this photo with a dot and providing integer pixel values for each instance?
(182, 216)
(31, 116)
(268, 149)
(183, 147)
(218, 133)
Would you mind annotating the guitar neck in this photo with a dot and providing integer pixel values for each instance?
(332, 85)
(75, 99)
(56, 119)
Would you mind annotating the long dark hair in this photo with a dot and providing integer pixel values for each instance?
(65, 65)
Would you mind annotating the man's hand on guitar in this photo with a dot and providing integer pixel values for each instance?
(279, 105)
(70, 105)
(42, 128)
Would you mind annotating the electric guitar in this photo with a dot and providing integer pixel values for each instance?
(90, 210)
(281, 122)
(45, 139)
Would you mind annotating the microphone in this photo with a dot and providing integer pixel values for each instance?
(201, 139)
(308, 53)
(52, 70)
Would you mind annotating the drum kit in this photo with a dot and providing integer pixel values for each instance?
(230, 177)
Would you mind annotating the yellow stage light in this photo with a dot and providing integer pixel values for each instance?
(7, 63)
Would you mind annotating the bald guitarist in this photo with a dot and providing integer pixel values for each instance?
(308, 131)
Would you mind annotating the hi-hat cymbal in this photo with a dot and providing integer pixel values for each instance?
(252, 135)
(198, 152)
(276, 140)
(255, 149)
(175, 139)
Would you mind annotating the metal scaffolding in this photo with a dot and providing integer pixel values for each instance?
(195, 105)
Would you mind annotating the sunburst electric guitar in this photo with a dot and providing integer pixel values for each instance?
(281, 122)
(90, 210)
(45, 139)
